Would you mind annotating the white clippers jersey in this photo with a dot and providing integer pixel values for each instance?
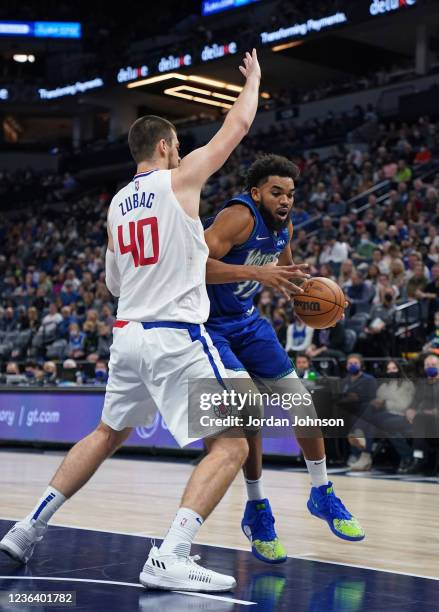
(160, 252)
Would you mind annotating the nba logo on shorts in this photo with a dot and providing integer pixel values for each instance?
(136, 185)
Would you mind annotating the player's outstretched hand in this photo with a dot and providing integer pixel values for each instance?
(251, 65)
(279, 278)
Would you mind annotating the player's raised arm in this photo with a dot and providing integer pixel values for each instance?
(198, 166)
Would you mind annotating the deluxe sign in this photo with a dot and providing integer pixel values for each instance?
(131, 74)
(211, 52)
(173, 63)
(302, 29)
(380, 7)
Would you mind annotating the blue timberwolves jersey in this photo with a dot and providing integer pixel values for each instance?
(262, 247)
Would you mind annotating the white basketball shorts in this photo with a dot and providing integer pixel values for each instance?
(150, 367)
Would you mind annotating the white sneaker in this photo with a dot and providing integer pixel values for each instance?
(20, 540)
(363, 464)
(172, 572)
(351, 460)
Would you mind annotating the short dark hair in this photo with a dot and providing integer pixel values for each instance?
(304, 356)
(145, 133)
(356, 356)
(270, 165)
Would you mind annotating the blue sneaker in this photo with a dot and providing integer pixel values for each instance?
(258, 526)
(325, 505)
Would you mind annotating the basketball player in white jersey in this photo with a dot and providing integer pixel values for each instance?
(156, 262)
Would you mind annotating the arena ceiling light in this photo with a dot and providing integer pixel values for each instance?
(178, 92)
(22, 58)
(290, 45)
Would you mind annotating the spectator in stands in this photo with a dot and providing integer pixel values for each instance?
(387, 412)
(337, 206)
(101, 372)
(397, 277)
(358, 390)
(105, 339)
(345, 276)
(417, 283)
(70, 375)
(359, 293)
(299, 337)
(334, 253)
(424, 416)
(91, 335)
(9, 322)
(48, 328)
(377, 339)
(76, 342)
(12, 368)
(67, 319)
(50, 374)
(328, 343)
(404, 173)
(304, 368)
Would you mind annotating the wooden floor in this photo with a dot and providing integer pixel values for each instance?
(141, 496)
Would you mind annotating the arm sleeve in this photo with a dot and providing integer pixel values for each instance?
(112, 275)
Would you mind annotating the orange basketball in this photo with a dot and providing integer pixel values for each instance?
(322, 304)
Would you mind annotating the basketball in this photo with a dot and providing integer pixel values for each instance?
(322, 304)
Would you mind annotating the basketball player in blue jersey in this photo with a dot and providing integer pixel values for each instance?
(251, 230)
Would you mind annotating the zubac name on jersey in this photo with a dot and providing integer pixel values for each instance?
(263, 246)
(133, 201)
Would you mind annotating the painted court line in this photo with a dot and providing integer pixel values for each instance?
(129, 584)
(304, 556)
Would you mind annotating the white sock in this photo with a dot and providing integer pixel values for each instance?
(255, 490)
(182, 532)
(47, 505)
(317, 471)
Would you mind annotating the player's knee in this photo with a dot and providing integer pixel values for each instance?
(112, 438)
(234, 450)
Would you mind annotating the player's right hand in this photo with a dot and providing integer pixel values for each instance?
(251, 65)
(279, 278)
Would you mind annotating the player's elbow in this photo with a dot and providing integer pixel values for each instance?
(113, 288)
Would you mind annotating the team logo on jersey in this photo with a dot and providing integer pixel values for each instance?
(136, 185)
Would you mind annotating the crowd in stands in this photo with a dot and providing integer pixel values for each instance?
(380, 244)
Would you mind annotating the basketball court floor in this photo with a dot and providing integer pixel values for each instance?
(98, 541)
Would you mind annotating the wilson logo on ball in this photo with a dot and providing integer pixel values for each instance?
(313, 306)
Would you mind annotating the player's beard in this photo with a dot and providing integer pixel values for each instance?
(273, 224)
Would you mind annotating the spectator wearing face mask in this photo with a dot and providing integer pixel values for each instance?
(101, 373)
(358, 391)
(387, 412)
(424, 415)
